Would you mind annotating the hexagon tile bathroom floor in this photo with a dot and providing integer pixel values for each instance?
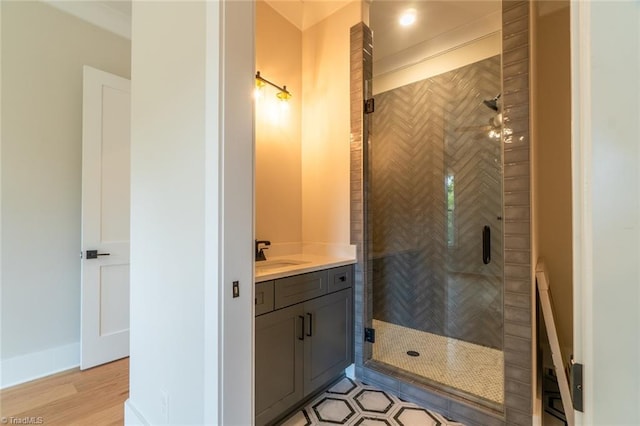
(353, 403)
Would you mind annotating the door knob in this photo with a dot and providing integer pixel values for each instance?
(93, 254)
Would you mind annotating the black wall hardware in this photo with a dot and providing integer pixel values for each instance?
(369, 106)
(370, 335)
(486, 245)
(93, 254)
(283, 93)
(576, 386)
(236, 289)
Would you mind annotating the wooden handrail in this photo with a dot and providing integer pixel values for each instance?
(546, 302)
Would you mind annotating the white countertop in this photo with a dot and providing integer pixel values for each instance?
(284, 266)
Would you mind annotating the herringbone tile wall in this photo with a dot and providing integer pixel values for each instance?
(426, 276)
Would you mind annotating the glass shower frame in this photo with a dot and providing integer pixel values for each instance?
(433, 275)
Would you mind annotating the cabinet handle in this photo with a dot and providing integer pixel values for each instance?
(342, 278)
(310, 333)
(301, 337)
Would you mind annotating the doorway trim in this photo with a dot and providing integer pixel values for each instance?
(581, 196)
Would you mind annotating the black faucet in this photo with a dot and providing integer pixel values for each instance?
(259, 251)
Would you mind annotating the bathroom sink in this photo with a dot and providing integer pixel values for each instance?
(277, 264)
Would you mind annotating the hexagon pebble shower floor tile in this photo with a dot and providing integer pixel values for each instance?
(352, 403)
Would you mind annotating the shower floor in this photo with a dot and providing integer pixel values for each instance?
(460, 366)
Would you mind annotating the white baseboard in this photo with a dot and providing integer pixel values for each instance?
(24, 368)
(132, 416)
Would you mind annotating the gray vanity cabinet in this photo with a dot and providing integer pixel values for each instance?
(328, 339)
(279, 362)
(304, 346)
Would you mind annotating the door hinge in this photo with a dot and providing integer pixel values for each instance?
(369, 335)
(576, 385)
(369, 106)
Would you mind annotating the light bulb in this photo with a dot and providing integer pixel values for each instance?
(257, 93)
(284, 96)
(407, 18)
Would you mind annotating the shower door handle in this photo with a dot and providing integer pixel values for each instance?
(486, 245)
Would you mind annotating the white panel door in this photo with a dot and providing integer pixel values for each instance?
(105, 218)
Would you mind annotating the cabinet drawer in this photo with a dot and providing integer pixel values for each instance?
(340, 278)
(300, 288)
(264, 297)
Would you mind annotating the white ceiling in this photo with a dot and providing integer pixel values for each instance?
(434, 19)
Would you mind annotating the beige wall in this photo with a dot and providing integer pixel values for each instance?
(278, 135)
(326, 128)
(302, 155)
(552, 161)
(43, 51)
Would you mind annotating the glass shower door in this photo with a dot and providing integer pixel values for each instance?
(435, 214)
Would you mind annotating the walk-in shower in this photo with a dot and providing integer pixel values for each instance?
(440, 208)
(436, 231)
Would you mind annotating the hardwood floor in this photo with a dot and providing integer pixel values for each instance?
(74, 397)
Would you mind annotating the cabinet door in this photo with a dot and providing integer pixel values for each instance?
(328, 344)
(278, 362)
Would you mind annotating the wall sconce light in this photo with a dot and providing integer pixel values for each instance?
(283, 93)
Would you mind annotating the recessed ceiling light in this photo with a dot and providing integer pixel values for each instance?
(408, 17)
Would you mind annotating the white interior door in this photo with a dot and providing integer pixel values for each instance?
(105, 218)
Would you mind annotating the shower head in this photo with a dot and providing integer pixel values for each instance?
(492, 103)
